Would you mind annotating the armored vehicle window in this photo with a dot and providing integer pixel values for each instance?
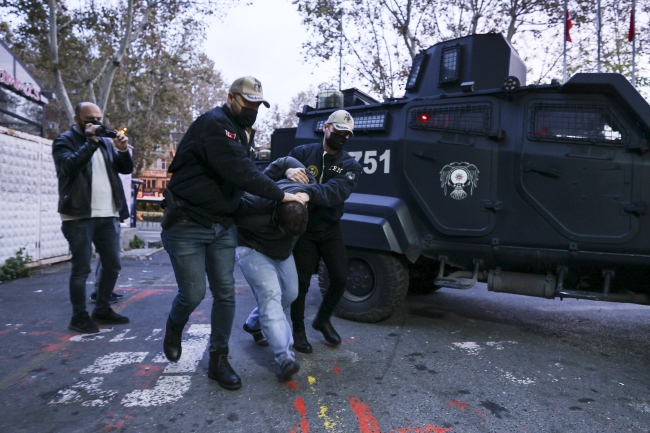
(375, 121)
(581, 123)
(449, 64)
(461, 118)
(416, 67)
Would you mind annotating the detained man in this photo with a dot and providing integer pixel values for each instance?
(267, 232)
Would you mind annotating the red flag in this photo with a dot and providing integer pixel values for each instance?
(569, 24)
(630, 36)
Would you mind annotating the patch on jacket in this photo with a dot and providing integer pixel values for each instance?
(350, 175)
(314, 170)
(230, 134)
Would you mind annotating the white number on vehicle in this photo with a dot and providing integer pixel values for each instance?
(370, 163)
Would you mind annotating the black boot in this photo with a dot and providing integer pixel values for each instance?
(221, 371)
(300, 342)
(172, 343)
(258, 335)
(330, 334)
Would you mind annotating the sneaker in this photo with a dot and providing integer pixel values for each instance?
(289, 368)
(109, 317)
(113, 299)
(82, 323)
(258, 336)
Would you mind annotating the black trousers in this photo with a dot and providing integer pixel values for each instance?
(310, 248)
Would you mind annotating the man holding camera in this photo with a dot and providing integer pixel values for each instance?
(212, 168)
(91, 203)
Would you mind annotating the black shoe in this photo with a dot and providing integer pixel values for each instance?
(259, 337)
(109, 317)
(81, 323)
(289, 368)
(221, 371)
(300, 342)
(328, 331)
(112, 300)
(172, 343)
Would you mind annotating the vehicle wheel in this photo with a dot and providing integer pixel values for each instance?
(377, 283)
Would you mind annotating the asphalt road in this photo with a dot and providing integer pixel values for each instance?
(450, 361)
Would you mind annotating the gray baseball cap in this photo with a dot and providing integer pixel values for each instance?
(341, 120)
(250, 88)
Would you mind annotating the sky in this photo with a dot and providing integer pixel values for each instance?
(265, 40)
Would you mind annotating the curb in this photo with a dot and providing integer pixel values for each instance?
(141, 254)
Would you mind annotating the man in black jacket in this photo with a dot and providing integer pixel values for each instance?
(91, 201)
(267, 233)
(337, 174)
(212, 168)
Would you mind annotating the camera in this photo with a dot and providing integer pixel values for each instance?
(103, 131)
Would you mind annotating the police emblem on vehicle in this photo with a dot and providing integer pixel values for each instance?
(313, 169)
(459, 175)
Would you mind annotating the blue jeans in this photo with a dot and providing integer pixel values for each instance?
(195, 250)
(81, 234)
(275, 286)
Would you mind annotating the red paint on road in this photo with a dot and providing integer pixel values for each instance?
(335, 368)
(350, 341)
(292, 384)
(428, 428)
(51, 348)
(367, 421)
(135, 298)
(303, 425)
(461, 405)
(112, 426)
(149, 370)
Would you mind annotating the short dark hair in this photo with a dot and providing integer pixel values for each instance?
(292, 217)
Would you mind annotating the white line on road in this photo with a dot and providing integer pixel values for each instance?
(107, 363)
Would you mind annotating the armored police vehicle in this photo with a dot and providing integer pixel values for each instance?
(538, 190)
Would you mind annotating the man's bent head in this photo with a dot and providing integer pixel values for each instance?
(292, 218)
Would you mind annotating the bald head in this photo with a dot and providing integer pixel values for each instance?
(86, 112)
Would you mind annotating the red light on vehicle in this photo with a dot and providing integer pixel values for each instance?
(424, 118)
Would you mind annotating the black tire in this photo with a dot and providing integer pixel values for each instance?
(377, 284)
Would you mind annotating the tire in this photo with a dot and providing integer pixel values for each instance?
(377, 284)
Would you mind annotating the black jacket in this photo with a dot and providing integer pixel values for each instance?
(213, 167)
(72, 153)
(336, 177)
(255, 217)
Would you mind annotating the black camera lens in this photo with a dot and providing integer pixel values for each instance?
(103, 131)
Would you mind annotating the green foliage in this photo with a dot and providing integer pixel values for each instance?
(16, 267)
(136, 243)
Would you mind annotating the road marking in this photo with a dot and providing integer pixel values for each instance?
(193, 349)
(498, 345)
(328, 423)
(468, 346)
(153, 334)
(367, 421)
(168, 389)
(80, 391)
(84, 338)
(107, 363)
(121, 337)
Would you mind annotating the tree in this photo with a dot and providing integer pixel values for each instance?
(84, 47)
(279, 118)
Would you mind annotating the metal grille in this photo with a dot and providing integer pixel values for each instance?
(368, 122)
(449, 64)
(461, 118)
(581, 123)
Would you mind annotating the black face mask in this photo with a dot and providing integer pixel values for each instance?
(246, 116)
(336, 141)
